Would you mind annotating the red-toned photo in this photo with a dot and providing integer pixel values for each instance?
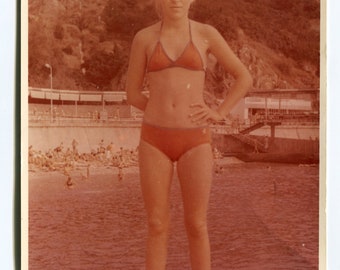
(173, 134)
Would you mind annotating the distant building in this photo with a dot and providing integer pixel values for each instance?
(278, 104)
(275, 104)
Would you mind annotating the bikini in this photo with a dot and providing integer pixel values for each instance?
(175, 142)
(189, 59)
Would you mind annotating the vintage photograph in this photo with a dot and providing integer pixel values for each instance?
(172, 134)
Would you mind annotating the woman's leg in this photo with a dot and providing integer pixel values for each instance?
(195, 176)
(156, 171)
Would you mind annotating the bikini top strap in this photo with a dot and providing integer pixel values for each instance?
(160, 31)
(161, 28)
(190, 30)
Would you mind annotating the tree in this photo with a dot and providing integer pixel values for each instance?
(126, 17)
(102, 67)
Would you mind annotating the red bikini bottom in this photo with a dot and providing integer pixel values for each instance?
(174, 142)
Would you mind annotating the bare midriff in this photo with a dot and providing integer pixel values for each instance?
(172, 92)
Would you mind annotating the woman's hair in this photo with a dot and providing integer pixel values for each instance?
(158, 8)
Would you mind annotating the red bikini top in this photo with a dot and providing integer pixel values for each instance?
(189, 59)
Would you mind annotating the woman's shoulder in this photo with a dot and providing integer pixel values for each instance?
(211, 37)
(205, 29)
(148, 34)
(208, 33)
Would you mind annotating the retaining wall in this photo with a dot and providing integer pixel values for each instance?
(88, 138)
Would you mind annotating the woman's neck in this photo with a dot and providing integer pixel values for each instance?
(175, 24)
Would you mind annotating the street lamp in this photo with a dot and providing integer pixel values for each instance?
(51, 87)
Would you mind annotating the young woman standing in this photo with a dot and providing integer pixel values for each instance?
(172, 56)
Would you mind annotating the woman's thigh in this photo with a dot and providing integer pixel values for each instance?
(195, 176)
(156, 172)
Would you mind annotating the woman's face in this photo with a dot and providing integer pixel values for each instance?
(174, 8)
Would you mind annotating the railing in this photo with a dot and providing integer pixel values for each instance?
(40, 115)
(84, 122)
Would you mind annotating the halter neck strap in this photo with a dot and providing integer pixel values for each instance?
(161, 28)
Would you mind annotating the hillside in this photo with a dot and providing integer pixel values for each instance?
(87, 42)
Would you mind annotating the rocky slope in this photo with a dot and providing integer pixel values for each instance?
(87, 42)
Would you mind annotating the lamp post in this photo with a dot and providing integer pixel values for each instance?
(51, 87)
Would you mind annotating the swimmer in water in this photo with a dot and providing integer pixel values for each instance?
(69, 183)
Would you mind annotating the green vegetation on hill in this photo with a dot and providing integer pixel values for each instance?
(279, 24)
(87, 43)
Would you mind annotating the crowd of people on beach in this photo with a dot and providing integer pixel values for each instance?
(70, 159)
(62, 158)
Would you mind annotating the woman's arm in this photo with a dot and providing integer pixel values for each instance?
(230, 62)
(243, 81)
(136, 73)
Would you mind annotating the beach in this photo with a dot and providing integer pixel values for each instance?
(261, 216)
